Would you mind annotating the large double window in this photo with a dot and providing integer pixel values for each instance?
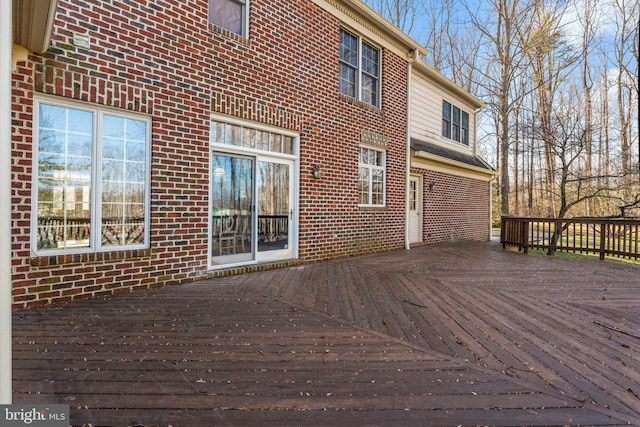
(371, 177)
(455, 123)
(92, 179)
(359, 69)
(231, 15)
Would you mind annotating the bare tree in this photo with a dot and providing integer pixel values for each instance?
(588, 17)
(516, 56)
(625, 52)
(552, 60)
(626, 22)
(438, 41)
(604, 123)
(401, 13)
(505, 31)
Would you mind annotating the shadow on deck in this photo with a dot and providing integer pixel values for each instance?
(453, 334)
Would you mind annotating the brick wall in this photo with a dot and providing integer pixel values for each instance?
(457, 208)
(163, 60)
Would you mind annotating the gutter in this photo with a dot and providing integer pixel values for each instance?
(461, 165)
(411, 57)
(371, 24)
(365, 10)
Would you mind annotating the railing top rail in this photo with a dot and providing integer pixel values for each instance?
(575, 220)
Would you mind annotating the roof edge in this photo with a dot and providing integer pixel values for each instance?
(488, 171)
(384, 28)
(33, 23)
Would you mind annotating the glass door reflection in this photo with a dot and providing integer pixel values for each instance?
(275, 212)
(231, 207)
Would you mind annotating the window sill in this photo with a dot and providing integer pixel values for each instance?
(46, 261)
(354, 101)
(372, 207)
(215, 30)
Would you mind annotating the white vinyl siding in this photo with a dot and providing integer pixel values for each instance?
(426, 114)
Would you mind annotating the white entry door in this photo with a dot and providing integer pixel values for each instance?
(415, 209)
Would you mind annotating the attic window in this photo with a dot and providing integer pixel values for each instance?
(455, 123)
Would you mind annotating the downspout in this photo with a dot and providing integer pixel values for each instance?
(411, 56)
(491, 181)
(493, 178)
(6, 43)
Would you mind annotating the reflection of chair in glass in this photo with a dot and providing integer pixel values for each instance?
(243, 229)
(228, 234)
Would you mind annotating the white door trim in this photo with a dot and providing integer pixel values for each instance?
(416, 208)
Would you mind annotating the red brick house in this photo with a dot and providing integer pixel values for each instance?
(164, 142)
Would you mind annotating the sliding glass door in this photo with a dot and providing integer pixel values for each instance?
(275, 213)
(232, 222)
(252, 212)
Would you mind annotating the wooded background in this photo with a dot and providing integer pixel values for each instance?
(560, 83)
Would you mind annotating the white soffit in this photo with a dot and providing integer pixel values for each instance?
(33, 23)
(363, 19)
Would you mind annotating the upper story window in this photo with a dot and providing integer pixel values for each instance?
(359, 68)
(371, 177)
(455, 123)
(92, 179)
(231, 15)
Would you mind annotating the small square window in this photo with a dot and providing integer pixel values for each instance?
(231, 15)
(371, 177)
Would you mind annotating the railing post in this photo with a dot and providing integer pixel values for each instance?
(557, 234)
(525, 235)
(604, 229)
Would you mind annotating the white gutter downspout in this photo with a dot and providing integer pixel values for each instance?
(475, 153)
(6, 64)
(411, 57)
(491, 181)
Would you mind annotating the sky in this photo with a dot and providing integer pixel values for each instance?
(570, 22)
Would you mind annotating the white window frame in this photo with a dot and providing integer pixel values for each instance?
(360, 69)
(245, 17)
(448, 125)
(370, 169)
(95, 183)
(259, 154)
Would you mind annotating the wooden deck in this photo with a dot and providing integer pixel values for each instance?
(451, 334)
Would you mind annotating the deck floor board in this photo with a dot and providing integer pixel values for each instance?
(461, 333)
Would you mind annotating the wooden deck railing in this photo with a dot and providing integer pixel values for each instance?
(604, 237)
